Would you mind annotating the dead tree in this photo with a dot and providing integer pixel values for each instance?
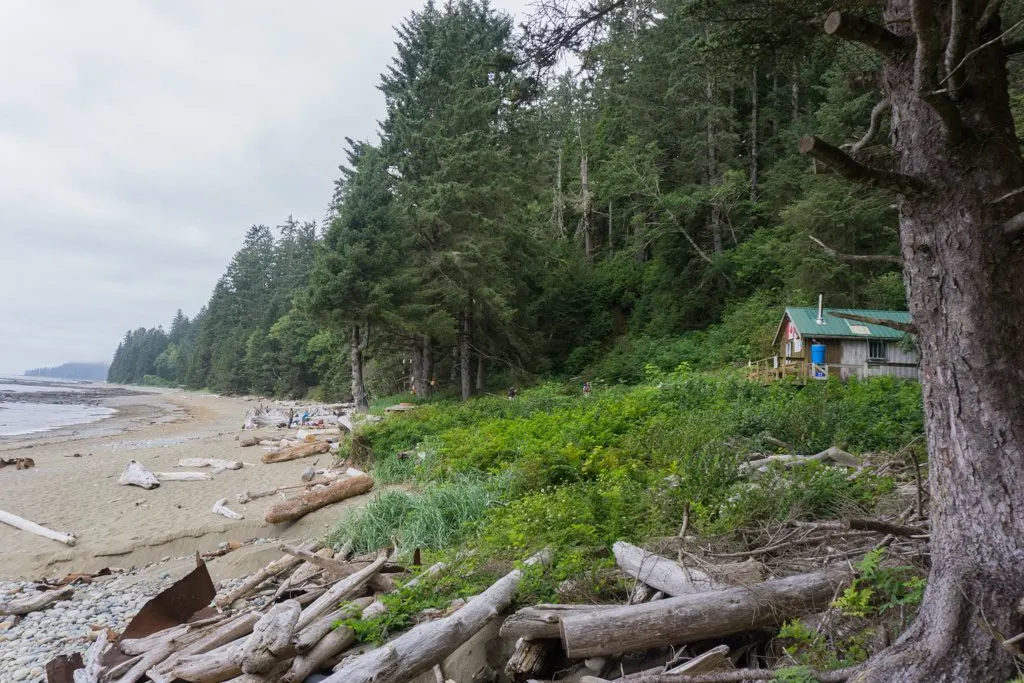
(957, 172)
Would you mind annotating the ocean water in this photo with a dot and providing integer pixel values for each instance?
(22, 417)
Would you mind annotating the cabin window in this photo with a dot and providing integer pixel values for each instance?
(878, 351)
(798, 345)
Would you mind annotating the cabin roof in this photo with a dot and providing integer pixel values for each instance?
(806, 322)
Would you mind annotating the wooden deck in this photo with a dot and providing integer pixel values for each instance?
(801, 371)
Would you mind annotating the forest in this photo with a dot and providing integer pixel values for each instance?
(629, 191)
(645, 206)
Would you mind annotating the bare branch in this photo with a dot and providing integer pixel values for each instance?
(956, 46)
(1008, 49)
(909, 328)
(926, 68)
(858, 29)
(989, 14)
(876, 122)
(1014, 227)
(1009, 195)
(847, 167)
(877, 258)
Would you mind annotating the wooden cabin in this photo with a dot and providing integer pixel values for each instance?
(818, 343)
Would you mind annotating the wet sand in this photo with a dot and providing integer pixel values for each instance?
(126, 526)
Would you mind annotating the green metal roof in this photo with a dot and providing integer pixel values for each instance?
(806, 322)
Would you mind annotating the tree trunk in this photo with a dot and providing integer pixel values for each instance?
(586, 210)
(712, 166)
(423, 368)
(464, 364)
(753, 136)
(357, 344)
(794, 92)
(965, 286)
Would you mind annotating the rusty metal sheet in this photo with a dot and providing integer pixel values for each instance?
(61, 668)
(174, 606)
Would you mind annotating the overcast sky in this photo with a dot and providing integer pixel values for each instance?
(140, 138)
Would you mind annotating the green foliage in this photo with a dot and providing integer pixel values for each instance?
(812, 648)
(879, 589)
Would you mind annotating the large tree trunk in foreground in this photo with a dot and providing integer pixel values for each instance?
(358, 339)
(958, 160)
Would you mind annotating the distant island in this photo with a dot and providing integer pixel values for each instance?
(89, 371)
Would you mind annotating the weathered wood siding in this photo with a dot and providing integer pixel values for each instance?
(854, 361)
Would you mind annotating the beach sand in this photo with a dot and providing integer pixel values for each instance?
(126, 526)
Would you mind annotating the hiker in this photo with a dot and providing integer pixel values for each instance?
(511, 393)
(586, 390)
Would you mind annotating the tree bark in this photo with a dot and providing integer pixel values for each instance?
(423, 367)
(464, 359)
(358, 338)
(753, 136)
(965, 287)
(701, 616)
(586, 209)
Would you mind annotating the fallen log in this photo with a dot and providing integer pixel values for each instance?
(34, 603)
(544, 621)
(182, 476)
(700, 616)
(250, 441)
(307, 638)
(148, 660)
(302, 451)
(37, 529)
(671, 578)
(529, 659)
(136, 474)
(215, 463)
(301, 505)
(335, 569)
(256, 580)
(341, 590)
(830, 455)
(419, 649)
(271, 638)
(229, 632)
(707, 662)
(221, 508)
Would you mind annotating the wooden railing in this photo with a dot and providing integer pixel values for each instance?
(776, 368)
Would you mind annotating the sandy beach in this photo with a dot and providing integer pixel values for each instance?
(126, 526)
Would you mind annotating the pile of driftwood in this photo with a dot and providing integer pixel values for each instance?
(313, 589)
(17, 463)
(284, 417)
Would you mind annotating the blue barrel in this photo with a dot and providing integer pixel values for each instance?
(818, 354)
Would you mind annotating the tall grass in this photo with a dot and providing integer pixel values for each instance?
(436, 518)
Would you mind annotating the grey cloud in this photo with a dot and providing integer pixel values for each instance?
(140, 138)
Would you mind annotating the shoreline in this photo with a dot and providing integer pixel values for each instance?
(126, 526)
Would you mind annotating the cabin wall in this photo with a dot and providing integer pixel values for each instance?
(854, 362)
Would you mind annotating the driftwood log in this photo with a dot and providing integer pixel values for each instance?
(215, 463)
(223, 634)
(37, 529)
(302, 451)
(182, 476)
(257, 579)
(34, 603)
(221, 508)
(700, 616)
(829, 455)
(90, 672)
(544, 621)
(301, 505)
(271, 638)
(340, 591)
(672, 579)
(136, 474)
(419, 649)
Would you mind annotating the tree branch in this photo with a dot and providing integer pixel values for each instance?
(877, 258)
(858, 29)
(847, 167)
(956, 46)
(926, 69)
(909, 328)
(876, 122)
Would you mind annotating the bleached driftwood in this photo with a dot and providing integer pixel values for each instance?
(215, 463)
(335, 569)
(136, 474)
(715, 659)
(90, 672)
(305, 573)
(544, 621)
(303, 504)
(36, 602)
(334, 643)
(302, 451)
(256, 580)
(307, 637)
(222, 635)
(341, 590)
(271, 638)
(182, 476)
(250, 441)
(148, 660)
(210, 667)
(529, 659)
(419, 649)
(829, 455)
(246, 496)
(672, 579)
(37, 529)
(221, 508)
(699, 616)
